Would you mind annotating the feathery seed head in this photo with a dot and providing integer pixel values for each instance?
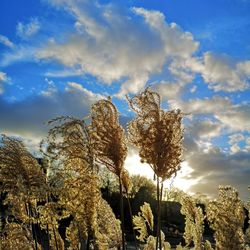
(107, 136)
(158, 134)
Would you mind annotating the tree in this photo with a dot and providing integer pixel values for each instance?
(138, 182)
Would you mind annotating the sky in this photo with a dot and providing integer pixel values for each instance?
(58, 57)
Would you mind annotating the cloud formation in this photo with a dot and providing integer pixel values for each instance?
(5, 41)
(27, 118)
(113, 45)
(204, 129)
(214, 167)
(3, 79)
(223, 74)
(20, 53)
(25, 31)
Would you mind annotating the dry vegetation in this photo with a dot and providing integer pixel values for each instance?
(36, 198)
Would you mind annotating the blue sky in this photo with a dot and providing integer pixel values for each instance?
(57, 57)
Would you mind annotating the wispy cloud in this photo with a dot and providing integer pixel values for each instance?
(25, 31)
(3, 79)
(5, 41)
(64, 73)
(21, 53)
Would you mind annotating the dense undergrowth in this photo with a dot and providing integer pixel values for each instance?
(37, 198)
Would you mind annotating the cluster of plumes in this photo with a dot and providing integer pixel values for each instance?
(109, 229)
(24, 184)
(109, 145)
(157, 133)
(194, 223)
(49, 216)
(17, 235)
(70, 188)
(247, 206)
(207, 246)
(69, 145)
(126, 182)
(20, 172)
(226, 218)
(143, 222)
(72, 175)
(68, 142)
(107, 136)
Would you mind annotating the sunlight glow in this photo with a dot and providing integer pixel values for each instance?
(182, 180)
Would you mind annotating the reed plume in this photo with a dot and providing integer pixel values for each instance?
(24, 183)
(158, 134)
(109, 143)
(226, 217)
(74, 172)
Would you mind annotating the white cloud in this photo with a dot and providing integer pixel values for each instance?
(193, 89)
(220, 72)
(223, 74)
(51, 88)
(72, 87)
(204, 129)
(247, 146)
(113, 45)
(235, 148)
(236, 118)
(25, 31)
(215, 167)
(64, 73)
(176, 42)
(3, 79)
(214, 105)
(233, 117)
(235, 138)
(5, 41)
(170, 91)
(20, 53)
